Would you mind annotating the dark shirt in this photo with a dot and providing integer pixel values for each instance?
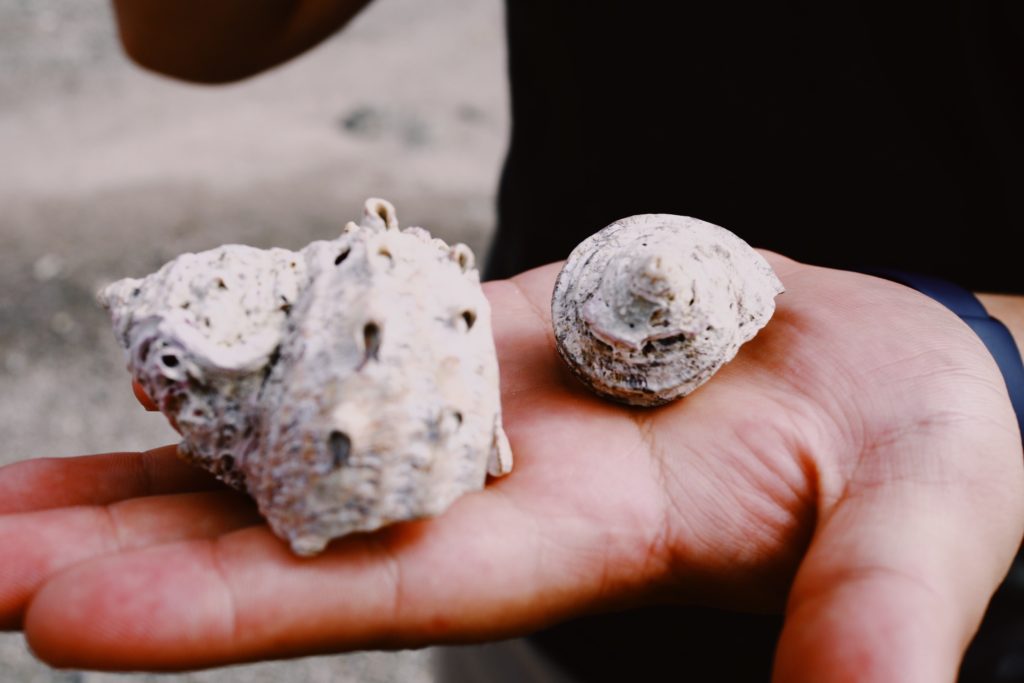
(846, 133)
(843, 133)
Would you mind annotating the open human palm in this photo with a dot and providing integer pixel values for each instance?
(858, 465)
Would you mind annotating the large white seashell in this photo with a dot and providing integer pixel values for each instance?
(646, 310)
(345, 386)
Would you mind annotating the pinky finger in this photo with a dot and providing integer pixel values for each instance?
(46, 483)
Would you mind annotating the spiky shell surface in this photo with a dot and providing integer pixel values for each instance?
(345, 386)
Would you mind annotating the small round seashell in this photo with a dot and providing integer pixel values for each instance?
(648, 309)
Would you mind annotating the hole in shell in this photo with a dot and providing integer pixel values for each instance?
(371, 341)
(469, 317)
(221, 284)
(448, 423)
(340, 446)
(169, 360)
(648, 348)
(341, 257)
(668, 341)
(275, 357)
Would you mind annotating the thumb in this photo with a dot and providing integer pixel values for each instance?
(898, 576)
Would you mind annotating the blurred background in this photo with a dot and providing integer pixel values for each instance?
(107, 171)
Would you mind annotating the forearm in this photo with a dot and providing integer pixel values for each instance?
(217, 42)
(1009, 310)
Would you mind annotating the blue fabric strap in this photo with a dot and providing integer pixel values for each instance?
(993, 333)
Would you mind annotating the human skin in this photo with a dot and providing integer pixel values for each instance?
(1008, 309)
(857, 466)
(227, 40)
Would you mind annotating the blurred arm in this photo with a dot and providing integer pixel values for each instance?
(227, 40)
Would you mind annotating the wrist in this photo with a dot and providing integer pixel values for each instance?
(1009, 310)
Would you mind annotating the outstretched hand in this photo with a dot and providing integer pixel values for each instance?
(857, 465)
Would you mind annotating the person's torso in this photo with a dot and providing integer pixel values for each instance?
(855, 132)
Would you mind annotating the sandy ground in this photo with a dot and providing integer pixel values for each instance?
(107, 171)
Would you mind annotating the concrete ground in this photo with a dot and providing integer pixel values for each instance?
(107, 171)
